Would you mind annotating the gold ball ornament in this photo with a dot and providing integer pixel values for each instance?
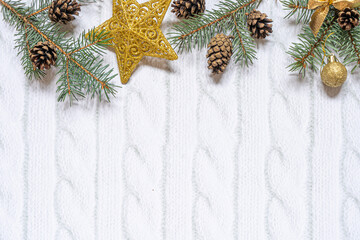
(334, 73)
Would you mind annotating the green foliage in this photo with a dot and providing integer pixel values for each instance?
(308, 52)
(13, 19)
(244, 45)
(298, 9)
(89, 58)
(80, 67)
(229, 18)
(348, 45)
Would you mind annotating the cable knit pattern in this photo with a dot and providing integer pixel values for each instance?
(350, 164)
(285, 168)
(214, 207)
(75, 167)
(290, 140)
(143, 160)
(12, 140)
(255, 153)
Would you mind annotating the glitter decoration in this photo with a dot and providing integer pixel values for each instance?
(135, 31)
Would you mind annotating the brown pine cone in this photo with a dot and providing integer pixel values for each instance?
(188, 8)
(63, 10)
(348, 19)
(219, 53)
(258, 24)
(43, 55)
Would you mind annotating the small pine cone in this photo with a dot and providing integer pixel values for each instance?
(219, 53)
(43, 55)
(63, 10)
(348, 19)
(258, 24)
(188, 8)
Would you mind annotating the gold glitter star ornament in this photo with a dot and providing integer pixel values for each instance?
(135, 32)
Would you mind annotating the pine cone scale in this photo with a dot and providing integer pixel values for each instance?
(63, 10)
(43, 55)
(348, 19)
(258, 24)
(187, 8)
(219, 53)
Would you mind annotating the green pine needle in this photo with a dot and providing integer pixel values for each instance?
(229, 18)
(308, 52)
(299, 9)
(81, 69)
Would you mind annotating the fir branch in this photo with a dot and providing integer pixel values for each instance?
(228, 18)
(309, 51)
(354, 44)
(239, 35)
(38, 11)
(27, 42)
(23, 39)
(79, 64)
(348, 46)
(299, 9)
(12, 18)
(228, 14)
(39, 6)
(68, 76)
(244, 46)
(84, 47)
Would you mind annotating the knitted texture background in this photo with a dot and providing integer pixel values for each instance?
(257, 154)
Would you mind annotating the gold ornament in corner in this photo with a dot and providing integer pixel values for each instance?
(334, 73)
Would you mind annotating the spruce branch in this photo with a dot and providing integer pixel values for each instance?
(228, 18)
(244, 46)
(355, 47)
(348, 45)
(243, 49)
(299, 9)
(226, 15)
(38, 11)
(81, 69)
(309, 51)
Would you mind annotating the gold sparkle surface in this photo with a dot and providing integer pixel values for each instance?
(334, 74)
(135, 32)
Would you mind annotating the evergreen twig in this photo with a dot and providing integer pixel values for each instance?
(243, 49)
(349, 47)
(244, 46)
(308, 52)
(299, 9)
(228, 18)
(228, 14)
(354, 44)
(80, 67)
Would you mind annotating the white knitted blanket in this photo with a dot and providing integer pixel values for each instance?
(179, 155)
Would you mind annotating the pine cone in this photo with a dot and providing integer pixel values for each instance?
(219, 53)
(63, 10)
(43, 55)
(188, 8)
(348, 19)
(258, 24)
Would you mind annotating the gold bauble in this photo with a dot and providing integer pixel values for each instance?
(334, 73)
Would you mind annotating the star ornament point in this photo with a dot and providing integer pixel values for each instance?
(135, 32)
